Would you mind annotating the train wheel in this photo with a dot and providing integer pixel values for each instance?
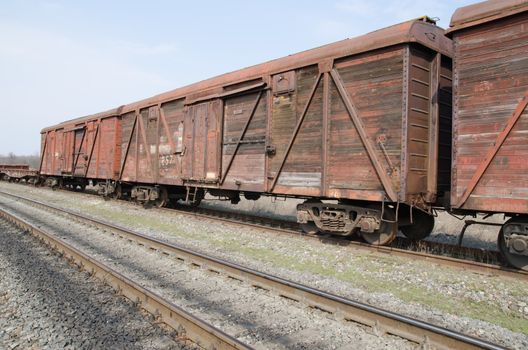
(118, 193)
(163, 198)
(520, 245)
(310, 228)
(387, 231)
(421, 227)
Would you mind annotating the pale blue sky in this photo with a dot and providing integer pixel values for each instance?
(64, 59)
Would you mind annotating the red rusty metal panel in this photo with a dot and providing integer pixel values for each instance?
(197, 132)
(58, 152)
(171, 147)
(245, 167)
(485, 11)
(128, 146)
(116, 140)
(350, 164)
(43, 146)
(152, 131)
(103, 142)
(91, 141)
(296, 123)
(146, 156)
(284, 82)
(202, 127)
(67, 159)
(145, 151)
(45, 155)
(213, 140)
(79, 149)
(490, 162)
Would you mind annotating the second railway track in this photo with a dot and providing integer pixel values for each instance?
(441, 253)
(468, 258)
(379, 320)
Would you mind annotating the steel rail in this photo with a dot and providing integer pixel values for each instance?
(382, 321)
(459, 263)
(196, 330)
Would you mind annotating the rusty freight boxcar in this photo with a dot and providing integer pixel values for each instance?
(83, 149)
(354, 127)
(490, 158)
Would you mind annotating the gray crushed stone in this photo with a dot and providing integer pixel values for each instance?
(210, 237)
(45, 303)
(259, 318)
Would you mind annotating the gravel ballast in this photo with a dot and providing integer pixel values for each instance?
(45, 303)
(259, 318)
(490, 307)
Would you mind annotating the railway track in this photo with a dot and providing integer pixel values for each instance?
(381, 321)
(444, 254)
(196, 330)
(467, 258)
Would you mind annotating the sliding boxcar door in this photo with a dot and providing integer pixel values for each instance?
(79, 154)
(202, 142)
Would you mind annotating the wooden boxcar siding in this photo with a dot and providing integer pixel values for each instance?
(57, 152)
(53, 154)
(171, 142)
(85, 148)
(202, 125)
(146, 152)
(374, 82)
(92, 147)
(104, 162)
(249, 162)
(68, 150)
(136, 146)
(302, 169)
(491, 72)
(48, 153)
(128, 146)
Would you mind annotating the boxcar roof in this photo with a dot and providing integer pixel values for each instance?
(486, 11)
(419, 30)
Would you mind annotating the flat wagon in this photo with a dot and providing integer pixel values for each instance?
(17, 172)
(490, 118)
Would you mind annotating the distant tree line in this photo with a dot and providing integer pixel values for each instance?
(11, 158)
